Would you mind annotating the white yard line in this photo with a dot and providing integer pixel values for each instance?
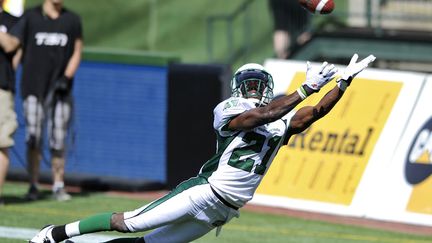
(26, 234)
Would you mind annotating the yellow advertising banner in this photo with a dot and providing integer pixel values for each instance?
(326, 162)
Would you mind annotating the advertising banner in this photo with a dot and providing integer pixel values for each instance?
(331, 165)
(408, 186)
(327, 161)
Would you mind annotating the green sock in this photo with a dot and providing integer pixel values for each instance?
(95, 223)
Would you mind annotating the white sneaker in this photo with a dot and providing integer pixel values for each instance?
(61, 195)
(43, 236)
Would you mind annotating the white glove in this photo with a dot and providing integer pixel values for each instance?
(316, 78)
(353, 69)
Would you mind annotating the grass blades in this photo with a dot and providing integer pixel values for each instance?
(250, 227)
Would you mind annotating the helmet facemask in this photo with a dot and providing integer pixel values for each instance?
(253, 82)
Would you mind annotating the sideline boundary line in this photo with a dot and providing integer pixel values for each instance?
(28, 233)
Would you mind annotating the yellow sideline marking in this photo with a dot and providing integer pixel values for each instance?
(315, 234)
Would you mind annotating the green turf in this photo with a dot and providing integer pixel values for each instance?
(179, 28)
(250, 227)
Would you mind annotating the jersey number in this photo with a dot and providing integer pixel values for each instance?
(256, 143)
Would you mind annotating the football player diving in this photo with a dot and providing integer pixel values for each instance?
(250, 128)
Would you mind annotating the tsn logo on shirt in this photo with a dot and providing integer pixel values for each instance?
(51, 39)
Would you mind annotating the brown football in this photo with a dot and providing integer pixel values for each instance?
(318, 6)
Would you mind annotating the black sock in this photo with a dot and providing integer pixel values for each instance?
(127, 240)
(59, 233)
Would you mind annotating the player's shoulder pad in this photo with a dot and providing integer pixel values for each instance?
(228, 109)
(238, 103)
(234, 105)
(231, 102)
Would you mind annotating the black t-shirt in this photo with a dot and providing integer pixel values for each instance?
(289, 15)
(48, 44)
(7, 74)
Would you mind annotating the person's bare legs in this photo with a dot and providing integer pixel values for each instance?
(303, 38)
(57, 164)
(33, 163)
(281, 43)
(4, 165)
(57, 169)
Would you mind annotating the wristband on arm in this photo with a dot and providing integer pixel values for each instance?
(343, 84)
(304, 91)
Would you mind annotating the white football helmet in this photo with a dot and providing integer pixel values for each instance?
(252, 81)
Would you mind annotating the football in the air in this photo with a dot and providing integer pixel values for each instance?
(318, 6)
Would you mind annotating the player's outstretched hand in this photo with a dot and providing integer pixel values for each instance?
(353, 69)
(316, 78)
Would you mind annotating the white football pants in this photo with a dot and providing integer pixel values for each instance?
(188, 212)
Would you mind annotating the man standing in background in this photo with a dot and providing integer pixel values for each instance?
(51, 39)
(9, 59)
(291, 26)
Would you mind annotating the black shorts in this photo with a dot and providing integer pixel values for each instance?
(56, 116)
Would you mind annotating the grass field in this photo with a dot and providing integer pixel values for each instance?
(250, 227)
(177, 28)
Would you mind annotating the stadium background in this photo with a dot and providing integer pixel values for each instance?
(126, 127)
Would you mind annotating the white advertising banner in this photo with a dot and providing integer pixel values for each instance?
(407, 185)
(342, 162)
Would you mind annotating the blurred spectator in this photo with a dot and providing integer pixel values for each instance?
(9, 59)
(51, 38)
(291, 23)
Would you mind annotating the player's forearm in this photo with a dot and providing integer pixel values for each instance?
(307, 115)
(8, 43)
(263, 115)
(326, 104)
(280, 107)
(17, 59)
(74, 61)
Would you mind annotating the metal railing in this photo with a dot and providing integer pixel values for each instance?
(378, 15)
(390, 14)
(243, 10)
